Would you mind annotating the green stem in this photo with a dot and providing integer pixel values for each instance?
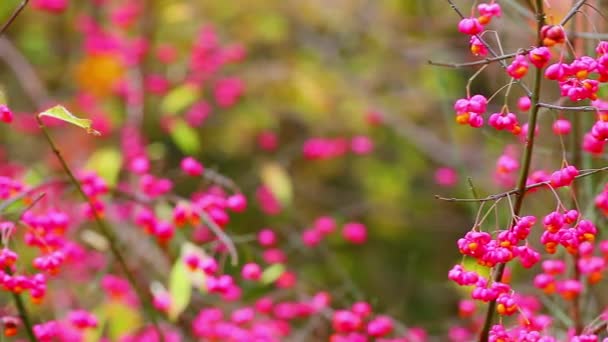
(575, 150)
(23, 314)
(106, 231)
(525, 168)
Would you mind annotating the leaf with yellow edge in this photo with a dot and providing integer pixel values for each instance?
(106, 162)
(179, 99)
(59, 112)
(277, 180)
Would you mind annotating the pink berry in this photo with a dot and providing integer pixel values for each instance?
(325, 225)
(251, 271)
(209, 266)
(237, 203)
(355, 233)
(5, 114)
(524, 103)
(470, 26)
(267, 237)
(192, 167)
(561, 127)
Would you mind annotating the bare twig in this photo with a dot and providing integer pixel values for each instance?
(106, 230)
(572, 109)
(572, 12)
(482, 61)
(25, 73)
(513, 191)
(13, 16)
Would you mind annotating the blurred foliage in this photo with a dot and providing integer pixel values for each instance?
(313, 68)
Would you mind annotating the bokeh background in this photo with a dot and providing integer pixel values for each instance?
(316, 68)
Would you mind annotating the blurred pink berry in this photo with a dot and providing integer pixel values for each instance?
(139, 165)
(209, 266)
(157, 84)
(267, 201)
(446, 176)
(192, 167)
(361, 145)
(52, 6)
(561, 127)
(362, 309)
(373, 117)
(237, 203)
(344, 321)
(162, 301)
(267, 238)
(325, 225)
(355, 233)
(311, 237)
(5, 114)
(198, 113)
(380, 326)
(268, 141)
(251, 271)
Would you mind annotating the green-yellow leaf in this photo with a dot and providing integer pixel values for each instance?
(278, 182)
(185, 137)
(272, 273)
(179, 99)
(106, 162)
(180, 289)
(61, 113)
(122, 319)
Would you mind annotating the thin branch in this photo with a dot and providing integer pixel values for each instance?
(572, 109)
(591, 35)
(105, 229)
(514, 191)
(572, 12)
(217, 230)
(13, 16)
(25, 73)
(4, 205)
(482, 61)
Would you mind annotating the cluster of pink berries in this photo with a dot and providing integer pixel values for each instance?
(474, 26)
(353, 232)
(564, 229)
(326, 148)
(469, 111)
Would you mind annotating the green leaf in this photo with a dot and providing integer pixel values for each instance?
(180, 289)
(272, 273)
(185, 137)
(121, 319)
(179, 99)
(106, 162)
(278, 182)
(61, 113)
